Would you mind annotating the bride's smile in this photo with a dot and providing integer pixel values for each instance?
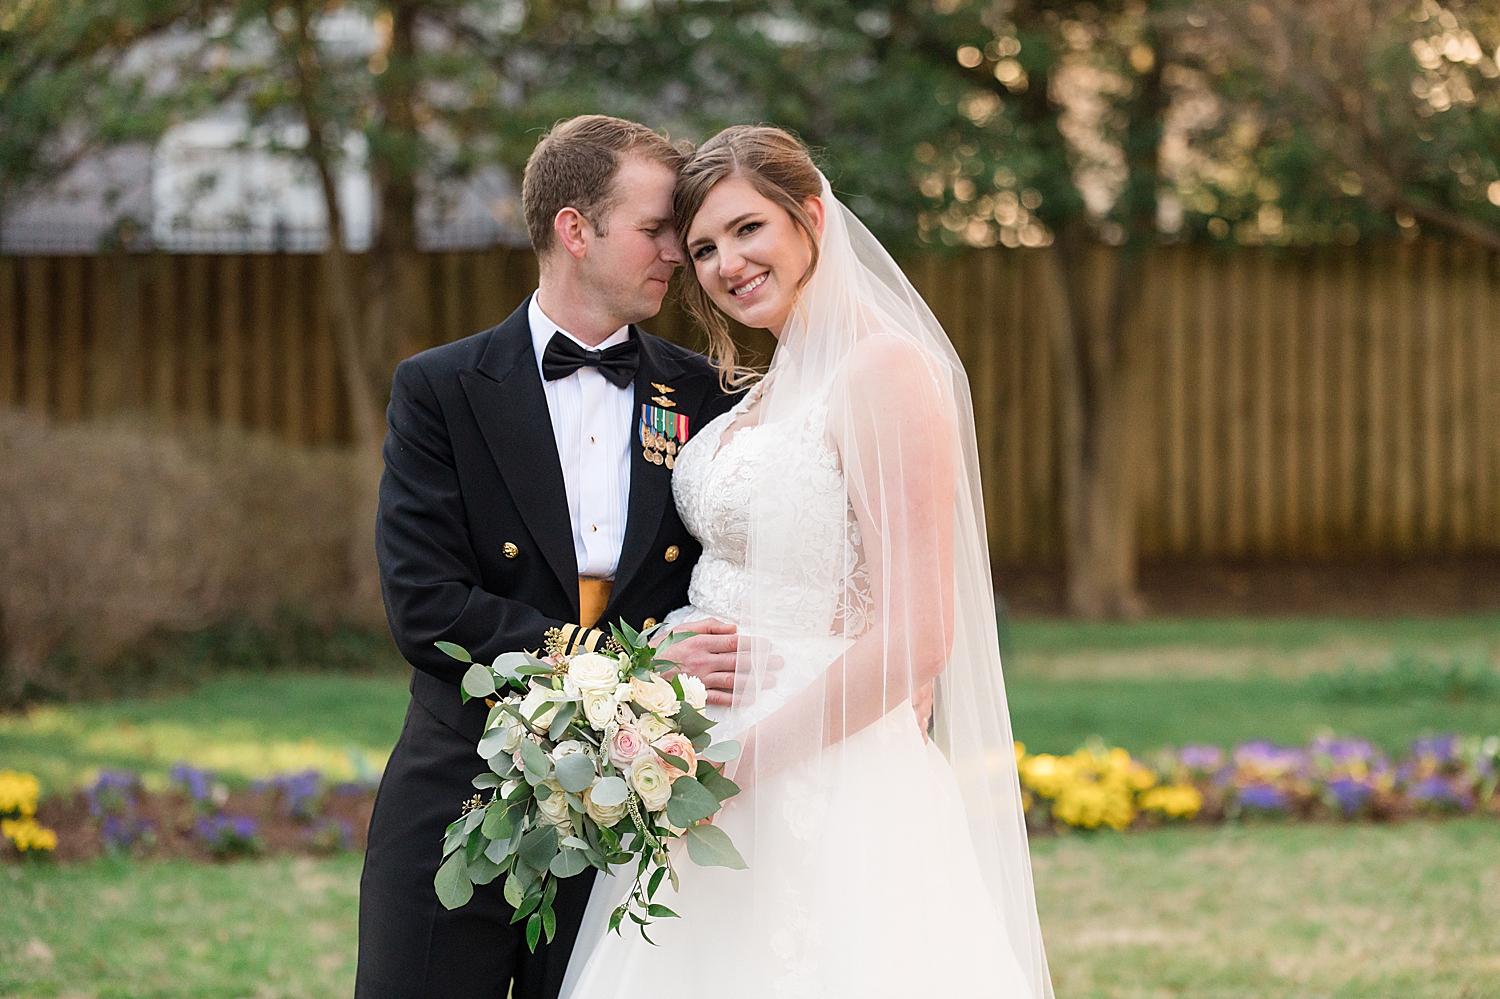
(750, 256)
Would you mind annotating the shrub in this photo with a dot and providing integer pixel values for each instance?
(113, 536)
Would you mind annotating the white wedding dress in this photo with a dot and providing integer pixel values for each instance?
(866, 883)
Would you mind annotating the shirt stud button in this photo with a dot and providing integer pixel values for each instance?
(671, 553)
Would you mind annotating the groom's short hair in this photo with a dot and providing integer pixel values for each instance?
(574, 166)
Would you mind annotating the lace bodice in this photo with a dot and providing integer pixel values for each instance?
(811, 538)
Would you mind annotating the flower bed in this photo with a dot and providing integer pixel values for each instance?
(1330, 779)
(199, 815)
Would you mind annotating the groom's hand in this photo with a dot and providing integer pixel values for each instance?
(710, 656)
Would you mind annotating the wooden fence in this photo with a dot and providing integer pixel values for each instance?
(1300, 405)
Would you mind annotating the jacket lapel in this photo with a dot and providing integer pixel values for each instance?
(650, 484)
(505, 392)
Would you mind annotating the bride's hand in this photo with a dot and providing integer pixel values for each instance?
(709, 655)
(921, 703)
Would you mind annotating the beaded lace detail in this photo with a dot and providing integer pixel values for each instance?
(789, 469)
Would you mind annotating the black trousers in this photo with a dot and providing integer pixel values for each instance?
(410, 947)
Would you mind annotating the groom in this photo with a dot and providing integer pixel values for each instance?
(522, 494)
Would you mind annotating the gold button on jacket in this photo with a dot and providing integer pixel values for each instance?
(650, 622)
(510, 549)
(672, 553)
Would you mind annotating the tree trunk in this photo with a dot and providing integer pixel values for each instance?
(1094, 386)
(365, 409)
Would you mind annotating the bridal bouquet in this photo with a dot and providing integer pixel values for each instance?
(595, 759)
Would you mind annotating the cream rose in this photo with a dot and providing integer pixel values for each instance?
(534, 699)
(649, 777)
(680, 746)
(652, 727)
(605, 815)
(625, 745)
(693, 691)
(655, 695)
(593, 672)
(514, 732)
(554, 808)
(599, 707)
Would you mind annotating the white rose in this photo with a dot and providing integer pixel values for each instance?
(591, 671)
(605, 815)
(513, 729)
(599, 707)
(553, 809)
(652, 727)
(534, 699)
(693, 691)
(649, 777)
(655, 695)
(567, 748)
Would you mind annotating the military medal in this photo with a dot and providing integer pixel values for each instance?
(663, 432)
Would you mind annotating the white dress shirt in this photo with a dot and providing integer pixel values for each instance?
(591, 422)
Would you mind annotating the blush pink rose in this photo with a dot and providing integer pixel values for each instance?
(625, 745)
(680, 746)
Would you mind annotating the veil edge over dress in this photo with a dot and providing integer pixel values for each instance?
(915, 589)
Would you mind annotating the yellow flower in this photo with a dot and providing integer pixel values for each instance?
(27, 835)
(18, 793)
(1180, 801)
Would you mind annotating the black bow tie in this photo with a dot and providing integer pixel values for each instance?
(564, 356)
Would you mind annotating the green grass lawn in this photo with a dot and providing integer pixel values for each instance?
(1267, 912)
(243, 725)
(1258, 912)
(1141, 686)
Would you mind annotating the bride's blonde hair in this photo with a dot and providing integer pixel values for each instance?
(778, 166)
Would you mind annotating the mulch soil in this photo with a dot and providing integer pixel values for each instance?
(1426, 587)
(172, 818)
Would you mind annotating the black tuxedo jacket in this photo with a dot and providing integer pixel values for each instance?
(474, 538)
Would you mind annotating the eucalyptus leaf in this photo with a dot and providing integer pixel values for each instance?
(538, 847)
(479, 681)
(484, 870)
(690, 802)
(508, 664)
(718, 785)
(455, 651)
(574, 843)
(496, 713)
(691, 722)
(487, 780)
(719, 752)
(568, 863)
(610, 791)
(500, 850)
(535, 761)
(676, 761)
(575, 772)
(515, 890)
(474, 818)
(701, 740)
(710, 846)
(452, 882)
(561, 719)
(498, 824)
(493, 743)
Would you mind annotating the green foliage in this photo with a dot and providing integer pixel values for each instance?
(65, 91)
(1410, 677)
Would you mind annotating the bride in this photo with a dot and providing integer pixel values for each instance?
(838, 507)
